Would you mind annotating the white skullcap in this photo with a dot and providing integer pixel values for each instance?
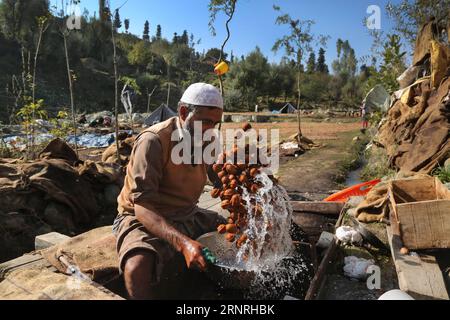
(202, 94)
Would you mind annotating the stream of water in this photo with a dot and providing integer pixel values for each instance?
(269, 252)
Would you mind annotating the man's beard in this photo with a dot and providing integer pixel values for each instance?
(188, 126)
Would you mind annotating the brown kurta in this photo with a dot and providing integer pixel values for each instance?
(152, 177)
(171, 190)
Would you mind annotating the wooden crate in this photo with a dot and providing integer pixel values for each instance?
(421, 213)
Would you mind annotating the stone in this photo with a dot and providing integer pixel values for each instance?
(325, 240)
(49, 240)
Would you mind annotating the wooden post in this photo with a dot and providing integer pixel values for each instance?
(116, 91)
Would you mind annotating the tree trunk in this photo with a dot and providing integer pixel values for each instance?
(149, 97)
(168, 95)
(41, 32)
(72, 100)
(116, 92)
(298, 108)
(148, 101)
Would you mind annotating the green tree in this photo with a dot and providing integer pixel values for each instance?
(346, 63)
(180, 57)
(214, 54)
(252, 77)
(345, 86)
(161, 47)
(158, 32)
(18, 18)
(127, 25)
(184, 39)
(296, 44)
(288, 75)
(176, 38)
(314, 87)
(392, 66)
(146, 35)
(29, 113)
(409, 15)
(157, 65)
(311, 64)
(274, 82)
(140, 55)
(321, 64)
(117, 21)
(216, 6)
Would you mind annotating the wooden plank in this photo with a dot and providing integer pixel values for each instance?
(317, 281)
(425, 225)
(313, 224)
(21, 262)
(319, 277)
(415, 189)
(39, 283)
(332, 208)
(419, 276)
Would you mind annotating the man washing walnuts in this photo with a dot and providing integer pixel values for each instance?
(158, 215)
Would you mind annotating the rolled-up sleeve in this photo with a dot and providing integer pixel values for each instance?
(146, 169)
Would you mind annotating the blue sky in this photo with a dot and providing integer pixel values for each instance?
(253, 24)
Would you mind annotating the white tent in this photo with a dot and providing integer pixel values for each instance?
(161, 114)
(288, 108)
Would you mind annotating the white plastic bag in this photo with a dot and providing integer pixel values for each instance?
(348, 235)
(356, 268)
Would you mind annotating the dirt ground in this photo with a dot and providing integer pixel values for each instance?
(317, 173)
(313, 129)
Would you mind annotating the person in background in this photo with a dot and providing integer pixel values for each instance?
(364, 116)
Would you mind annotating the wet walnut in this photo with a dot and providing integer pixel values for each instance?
(222, 229)
(237, 179)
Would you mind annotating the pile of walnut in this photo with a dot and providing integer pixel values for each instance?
(235, 177)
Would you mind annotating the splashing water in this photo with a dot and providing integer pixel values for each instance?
(268, 231)
(269, 250)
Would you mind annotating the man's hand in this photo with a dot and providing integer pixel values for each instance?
(192, 251)
(158, 226)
